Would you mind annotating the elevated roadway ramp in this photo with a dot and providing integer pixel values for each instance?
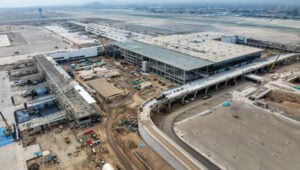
(225, 76)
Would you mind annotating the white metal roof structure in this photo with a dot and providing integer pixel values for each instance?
(179, 60)
(4, 41)
(204, 45)
(73, 37)
(110, 32)
(84, 94)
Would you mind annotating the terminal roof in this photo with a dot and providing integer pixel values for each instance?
(179, 60)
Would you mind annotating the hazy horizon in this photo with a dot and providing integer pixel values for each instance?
(34, 3)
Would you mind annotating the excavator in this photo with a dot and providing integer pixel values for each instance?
(270, 70)
(8, 127)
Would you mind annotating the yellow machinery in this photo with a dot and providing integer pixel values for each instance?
(270, 70)
(8, 127)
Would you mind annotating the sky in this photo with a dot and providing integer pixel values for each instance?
(26, 3)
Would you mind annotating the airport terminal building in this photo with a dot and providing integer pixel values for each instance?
(181, 65)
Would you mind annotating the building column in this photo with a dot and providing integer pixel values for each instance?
(184, 77)
(234, 80)
(157, 109)
(217, 86)
(170, 104)
(226, 82)
(182, 99)
(206, 90)
(195, 94)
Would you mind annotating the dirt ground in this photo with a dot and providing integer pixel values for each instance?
(286, 68)
(289, 102)
(288, 107)
(81, 156)
(129, 142)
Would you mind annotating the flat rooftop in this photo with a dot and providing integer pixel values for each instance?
(74, 37)
(179, 60)
(113, 33)
(256, 140)
(105, 88)
(4, 41)
(205, 45)
(25, 39)
(16, 156)
(110, 32)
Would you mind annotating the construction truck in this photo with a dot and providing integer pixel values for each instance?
(8, 127)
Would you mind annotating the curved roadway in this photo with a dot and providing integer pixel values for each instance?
(167, 128)
(184, 158)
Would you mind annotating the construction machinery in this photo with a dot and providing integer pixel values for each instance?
(270, 70)
(67, 139)
(8, 127)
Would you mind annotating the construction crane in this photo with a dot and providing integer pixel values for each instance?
(8, 127)
(270, 70)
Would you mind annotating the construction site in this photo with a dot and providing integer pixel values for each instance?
(89, 94)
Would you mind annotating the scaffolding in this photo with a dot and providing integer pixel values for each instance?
(23, 71)
(41, 100)
(33, 77)
(67, 98)
(59, 116)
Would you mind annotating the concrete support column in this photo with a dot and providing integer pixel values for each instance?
(182, 99)
(217, 86)
(234, 80)
(195, 94)
(157, 109)
(206, 90)
(170, 104)
(226, 82)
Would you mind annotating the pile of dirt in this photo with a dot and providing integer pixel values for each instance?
(288, 102)
(288, 107)
(280, 96)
